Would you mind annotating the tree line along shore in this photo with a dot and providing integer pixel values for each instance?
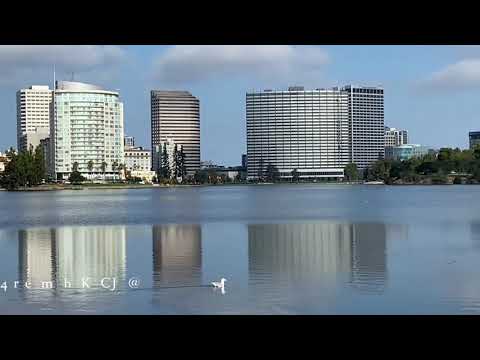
(26, 171)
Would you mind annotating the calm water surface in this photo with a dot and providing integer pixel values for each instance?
(301, 249)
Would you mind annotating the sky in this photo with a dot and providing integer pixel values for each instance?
(431, 91)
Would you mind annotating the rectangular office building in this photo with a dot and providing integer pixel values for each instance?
(297, 129)
(33, 116)
(367, 124)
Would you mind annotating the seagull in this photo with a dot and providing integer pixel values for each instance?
(220, 284)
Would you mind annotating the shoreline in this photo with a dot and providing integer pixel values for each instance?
(130, 186)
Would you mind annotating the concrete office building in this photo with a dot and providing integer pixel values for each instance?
(176, 115)
(395, 137)
(33, 115)
(474, 139)
(87, 125)
(367, 124)
(317, 132)
(307, 130)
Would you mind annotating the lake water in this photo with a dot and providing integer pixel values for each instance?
(284, 249)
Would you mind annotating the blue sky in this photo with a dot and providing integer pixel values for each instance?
(432, 91)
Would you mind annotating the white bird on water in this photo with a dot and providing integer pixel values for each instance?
(219, 285)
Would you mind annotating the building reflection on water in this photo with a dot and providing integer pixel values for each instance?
(320, 250)
(70, 254)
(475, 233)
(36, 257)
(369, 258)
(177, 255)
(299, 249)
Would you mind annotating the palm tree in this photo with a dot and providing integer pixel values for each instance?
(90, 168)
(75, 167)
(103, 167)
(115, 167)
(121, 167)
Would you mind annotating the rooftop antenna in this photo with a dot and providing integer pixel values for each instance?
(72, 76)
(54, 77)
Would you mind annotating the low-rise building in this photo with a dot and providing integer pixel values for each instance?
(474, 139)
(405, 152)
(145, 175)
(231, 172)
(138, 159)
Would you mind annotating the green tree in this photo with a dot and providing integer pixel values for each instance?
(176, 162)
(165, 169)
(115, 168)
(24, 169)
(39, 170)
(103, 167)
(457, 180)
(76, 177)
(295, 175)
(200, 177)
(476, 152)
(212, 176)
(90, 167)
(121, 168)
(10, 178)
(351, 172)
(260, 173)
(273, 175)
(183, 167)
(75, 166)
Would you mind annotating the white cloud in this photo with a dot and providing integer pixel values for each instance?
(25, 60)
(460, 75)
(188, 63)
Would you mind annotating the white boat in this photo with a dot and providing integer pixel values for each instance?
(374, 183)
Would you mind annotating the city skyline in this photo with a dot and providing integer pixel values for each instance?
(427, 95)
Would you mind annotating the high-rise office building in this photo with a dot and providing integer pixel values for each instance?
(317, 132)
(367, 124)
(175, 115)
(395, 137)
(86, 128)
(474, 139)
(33, 115)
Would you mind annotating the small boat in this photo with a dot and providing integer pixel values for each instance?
(374, 183)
